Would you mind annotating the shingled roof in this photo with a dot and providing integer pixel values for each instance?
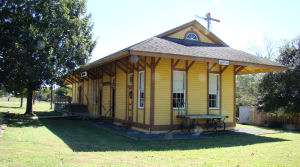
(198, 50)
(164, 46)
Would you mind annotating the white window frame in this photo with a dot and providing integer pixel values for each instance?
(183, 90)
(217, 94)
(191, 33)
(141, 89)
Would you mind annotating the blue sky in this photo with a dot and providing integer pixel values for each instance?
(245, 24)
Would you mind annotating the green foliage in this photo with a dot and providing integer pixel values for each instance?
(1, 92)
(247, 89)
(281, 91)
(43, 94)
(61, 91)
(41, 41)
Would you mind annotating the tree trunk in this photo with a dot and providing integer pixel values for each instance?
(21, 102)
(51, 97)
(29, 103)
(33, 98)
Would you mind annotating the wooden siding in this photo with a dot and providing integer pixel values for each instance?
(74, 92)
(106, 98)
(89, 96)
(96, 109)
(197, 88)
(147, 95)
(196, 92)
(85, 92)
(162, 92)
(214, 111)
(120, 110)
(135, 114)
(227, 93)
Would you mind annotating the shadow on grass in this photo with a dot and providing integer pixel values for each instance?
(21, 120)
(23, 123)
(83, 136)
(47, 113)
(12, 107)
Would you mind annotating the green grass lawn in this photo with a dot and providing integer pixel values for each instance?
(13, 106)
(52, 142)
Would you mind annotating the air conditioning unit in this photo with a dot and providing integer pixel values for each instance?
(83, 74)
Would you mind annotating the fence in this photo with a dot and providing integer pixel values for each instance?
(60, 103)
(274, 120)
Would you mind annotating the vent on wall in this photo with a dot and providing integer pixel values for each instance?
(83, 74)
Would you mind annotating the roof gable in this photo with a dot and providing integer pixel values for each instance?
(193, 26)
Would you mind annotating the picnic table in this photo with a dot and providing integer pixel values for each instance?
(212, 120)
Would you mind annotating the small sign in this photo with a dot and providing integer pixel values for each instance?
(224, 62)
(83, 74)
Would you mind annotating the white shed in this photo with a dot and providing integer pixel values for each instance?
(244, 115)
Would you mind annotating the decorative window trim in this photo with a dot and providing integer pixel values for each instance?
(141, 90)
(214, 102)
(191, 33)
(179, 94)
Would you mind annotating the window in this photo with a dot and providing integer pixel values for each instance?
(214, 92)
(179, 89)
(191, 36)
(141, 89)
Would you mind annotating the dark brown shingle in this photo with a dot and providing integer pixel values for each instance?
(160, 45)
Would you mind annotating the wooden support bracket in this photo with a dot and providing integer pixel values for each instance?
(175, 64)
(239, 69)
(141, 65)
(212, 67)
(156, 62)
(222, 69)
(190, 65)
(121, 67)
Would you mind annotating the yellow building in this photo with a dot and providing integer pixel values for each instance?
(184, 71)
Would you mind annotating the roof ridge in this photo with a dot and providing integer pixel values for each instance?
(196, 23)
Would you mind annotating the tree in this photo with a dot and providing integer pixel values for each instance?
(41, 41)
(2, 92)
(281, 91)
(21, 95)
(247, 85)
(43, 94)
(61, 91)
(51, 96)
(247, 89)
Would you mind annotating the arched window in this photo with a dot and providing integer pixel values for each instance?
(191, 36)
